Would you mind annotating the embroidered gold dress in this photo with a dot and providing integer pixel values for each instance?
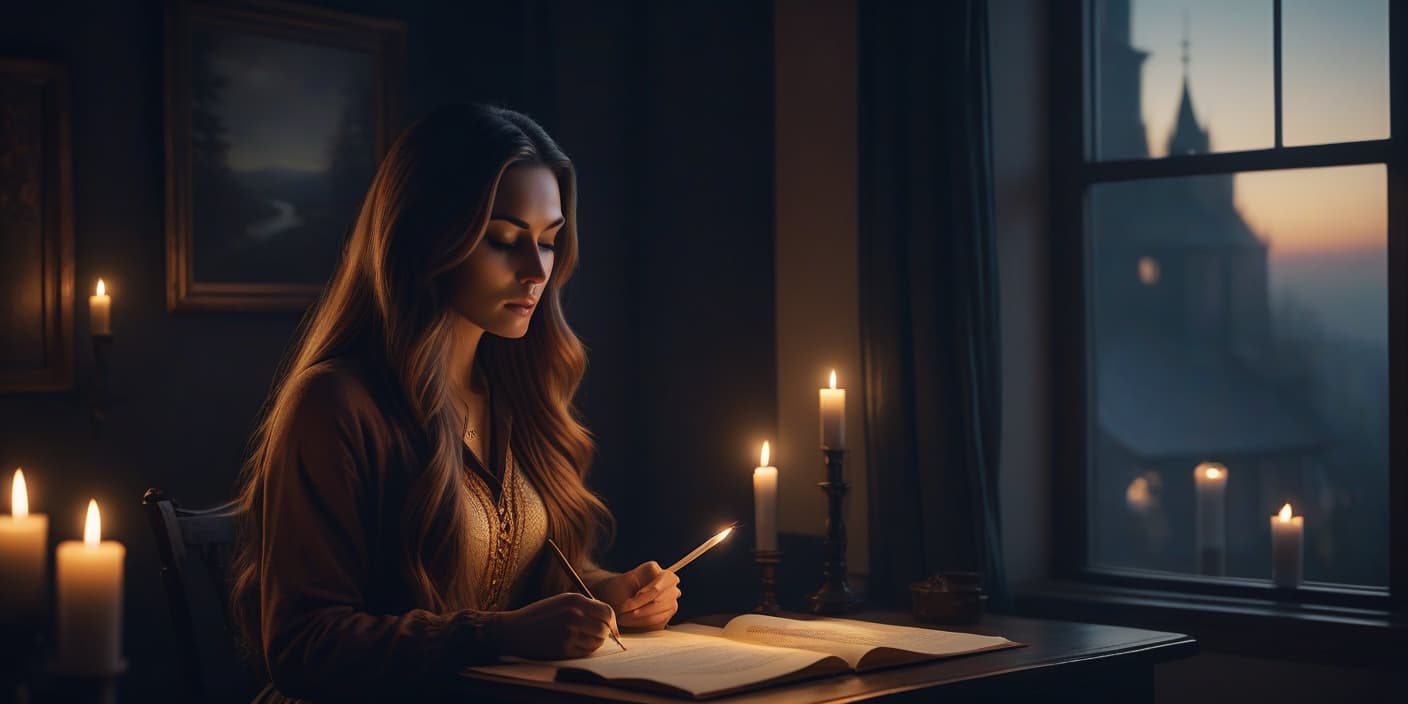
(507, 529)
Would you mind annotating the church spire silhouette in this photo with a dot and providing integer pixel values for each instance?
(1188, 137)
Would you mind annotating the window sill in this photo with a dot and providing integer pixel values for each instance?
(1251, 627)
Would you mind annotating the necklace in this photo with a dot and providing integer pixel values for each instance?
(470, 434)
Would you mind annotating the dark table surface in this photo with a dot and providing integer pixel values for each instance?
(1052, 648)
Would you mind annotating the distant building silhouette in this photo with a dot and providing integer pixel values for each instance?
(1183, 360)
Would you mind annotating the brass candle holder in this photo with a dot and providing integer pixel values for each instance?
(835, 595)
(101, 397)
(768, 560)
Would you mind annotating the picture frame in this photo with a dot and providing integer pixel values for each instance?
(36, 219)
(276, 117)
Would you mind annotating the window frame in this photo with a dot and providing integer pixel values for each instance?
(1073, 173)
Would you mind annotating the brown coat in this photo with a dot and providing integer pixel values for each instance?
(337, 621)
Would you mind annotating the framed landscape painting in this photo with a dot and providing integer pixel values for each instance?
(276, 116)
(36, 229)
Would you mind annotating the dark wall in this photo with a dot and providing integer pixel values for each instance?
(667, 110)
(668, 113)
(698, 138)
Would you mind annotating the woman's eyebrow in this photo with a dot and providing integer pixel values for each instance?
(523, 225)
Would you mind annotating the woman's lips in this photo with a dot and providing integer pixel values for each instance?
(522, 309)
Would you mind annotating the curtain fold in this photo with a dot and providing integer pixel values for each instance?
(929, 296)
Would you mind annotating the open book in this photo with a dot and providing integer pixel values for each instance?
(750, 651)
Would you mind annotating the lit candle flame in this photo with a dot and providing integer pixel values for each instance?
(722, 536)
(833, 379)
(102, 288)
(1285, 515)
(1210, 472)
(766, 455)
(93, 527)
(19, 496)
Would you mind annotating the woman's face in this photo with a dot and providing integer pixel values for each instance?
(497, 288)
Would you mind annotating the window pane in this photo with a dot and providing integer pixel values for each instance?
(1241, 319)
(1152, 102)
(1334, 66)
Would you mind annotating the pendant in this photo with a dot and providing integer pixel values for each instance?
(470, 435)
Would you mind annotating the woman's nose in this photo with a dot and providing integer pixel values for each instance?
(532, 270)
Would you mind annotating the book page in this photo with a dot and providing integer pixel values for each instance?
(863, 645)
(681, 663)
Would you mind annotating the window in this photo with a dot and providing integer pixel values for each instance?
(1228, 179)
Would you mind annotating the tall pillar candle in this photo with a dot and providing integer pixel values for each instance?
(100, 311)
(1210, 543)
(89, 576)
(765, 502)
(24, 540)
(1287, 547)
(833, 416)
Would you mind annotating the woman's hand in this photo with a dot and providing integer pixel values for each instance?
(645, 599)
(568, 625)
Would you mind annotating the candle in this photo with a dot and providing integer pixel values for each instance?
(833, 416)
(1210, 482)
(23, 541)
(100, 311)
(765, 502)
(1287, 537)
(89, 628)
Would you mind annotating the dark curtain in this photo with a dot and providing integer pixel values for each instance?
(929, 296)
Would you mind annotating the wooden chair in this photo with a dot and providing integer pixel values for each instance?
(186, 537)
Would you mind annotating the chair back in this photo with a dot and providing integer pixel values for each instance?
(195, 547)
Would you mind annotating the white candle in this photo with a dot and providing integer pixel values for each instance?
(833, 416)
(765, 502)
(89, 627)
(1210, 482)
(23, 543)
(1287, 539)
(100, 311)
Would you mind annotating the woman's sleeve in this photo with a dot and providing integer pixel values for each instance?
(318, 641)
(592, 575)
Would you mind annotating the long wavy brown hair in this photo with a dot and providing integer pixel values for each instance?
(388, 306)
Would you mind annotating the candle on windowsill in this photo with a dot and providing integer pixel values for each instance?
(24, 540)
(1287, 541)
(833, 416)
(89, 579)
(765, 502)
(100, 311)
(1210, 483)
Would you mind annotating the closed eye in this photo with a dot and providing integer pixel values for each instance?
(509, 246)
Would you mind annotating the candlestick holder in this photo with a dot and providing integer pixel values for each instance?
(102, 368)
(768, 560)
(835, 595)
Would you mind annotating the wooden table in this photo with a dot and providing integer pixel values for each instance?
(1061, 661)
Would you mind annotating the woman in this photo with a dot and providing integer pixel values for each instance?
(422, 444)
